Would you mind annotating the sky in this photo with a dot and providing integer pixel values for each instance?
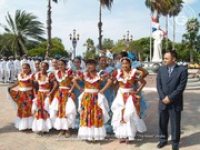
(83, 15)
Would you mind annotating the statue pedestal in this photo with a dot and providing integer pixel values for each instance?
(152, 68)
(156, 60)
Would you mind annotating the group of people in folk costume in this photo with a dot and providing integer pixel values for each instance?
(97, 99)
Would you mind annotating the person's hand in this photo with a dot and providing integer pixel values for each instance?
(166, 100)
(70, 91)
(49, 95)
(133, 91)
(114, 82)
(100, 92)
(81, 89)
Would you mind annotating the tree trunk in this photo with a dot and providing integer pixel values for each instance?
(174, 32)
(191, 53)
(100, 28)
(49, 44)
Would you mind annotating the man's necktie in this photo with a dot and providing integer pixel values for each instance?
(170, 71)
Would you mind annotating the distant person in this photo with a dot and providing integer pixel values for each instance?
(10, 70)
(17, 66)
(37, 65)
(54, 66)
(3, 71)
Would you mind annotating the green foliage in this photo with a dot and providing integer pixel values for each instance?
(23, 28)
(57, 49)
(89, 44)
(161, 7)
(107, 44)
(90, 54)
(192, 37)
(176, 7)
(107, 3)
(119, 46)
(139, 47)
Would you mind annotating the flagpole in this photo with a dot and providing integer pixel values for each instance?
(166, 30)
(150, 36)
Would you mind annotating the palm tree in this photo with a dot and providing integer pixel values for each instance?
(192, 37)
(23, 29)
(49, 21)
(107, 44)
(103, 3)
(91, 50)
(89, 44)
(176, 8)
(161, 7)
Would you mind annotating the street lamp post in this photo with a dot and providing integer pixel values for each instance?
(127, 39)
(74, 38)
(70, 52)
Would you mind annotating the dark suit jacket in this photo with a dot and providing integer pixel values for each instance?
(172, 87)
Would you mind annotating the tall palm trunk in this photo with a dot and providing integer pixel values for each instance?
(100, 27)
(191, 52)
(49, 44)
(174, 32)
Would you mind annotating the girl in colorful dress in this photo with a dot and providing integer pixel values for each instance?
(76, 71)
(40, 108)
(63, 102)
(144, 105)
(23, 98)
(93, 105)
(105, 71)
(126, 119)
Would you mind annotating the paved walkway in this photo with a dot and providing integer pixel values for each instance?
(12, 139)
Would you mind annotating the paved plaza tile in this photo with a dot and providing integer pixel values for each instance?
(12, 139)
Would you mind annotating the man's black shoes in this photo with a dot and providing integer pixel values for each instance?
(161, 144)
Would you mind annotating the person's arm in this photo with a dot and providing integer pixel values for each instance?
(55, 85)
(71, 89)
(145, 73)
(108, 84)
(13, 86)
(142, 84)
(114, 85)
(181, 87)
(34, 85)
(75, 81)
(159, 86)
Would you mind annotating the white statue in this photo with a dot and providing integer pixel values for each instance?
(158, 37)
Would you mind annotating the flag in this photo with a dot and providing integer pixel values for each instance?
(164, 33)
(155, 24)
(154, 20)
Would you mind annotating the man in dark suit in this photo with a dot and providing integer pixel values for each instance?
(171, 82)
